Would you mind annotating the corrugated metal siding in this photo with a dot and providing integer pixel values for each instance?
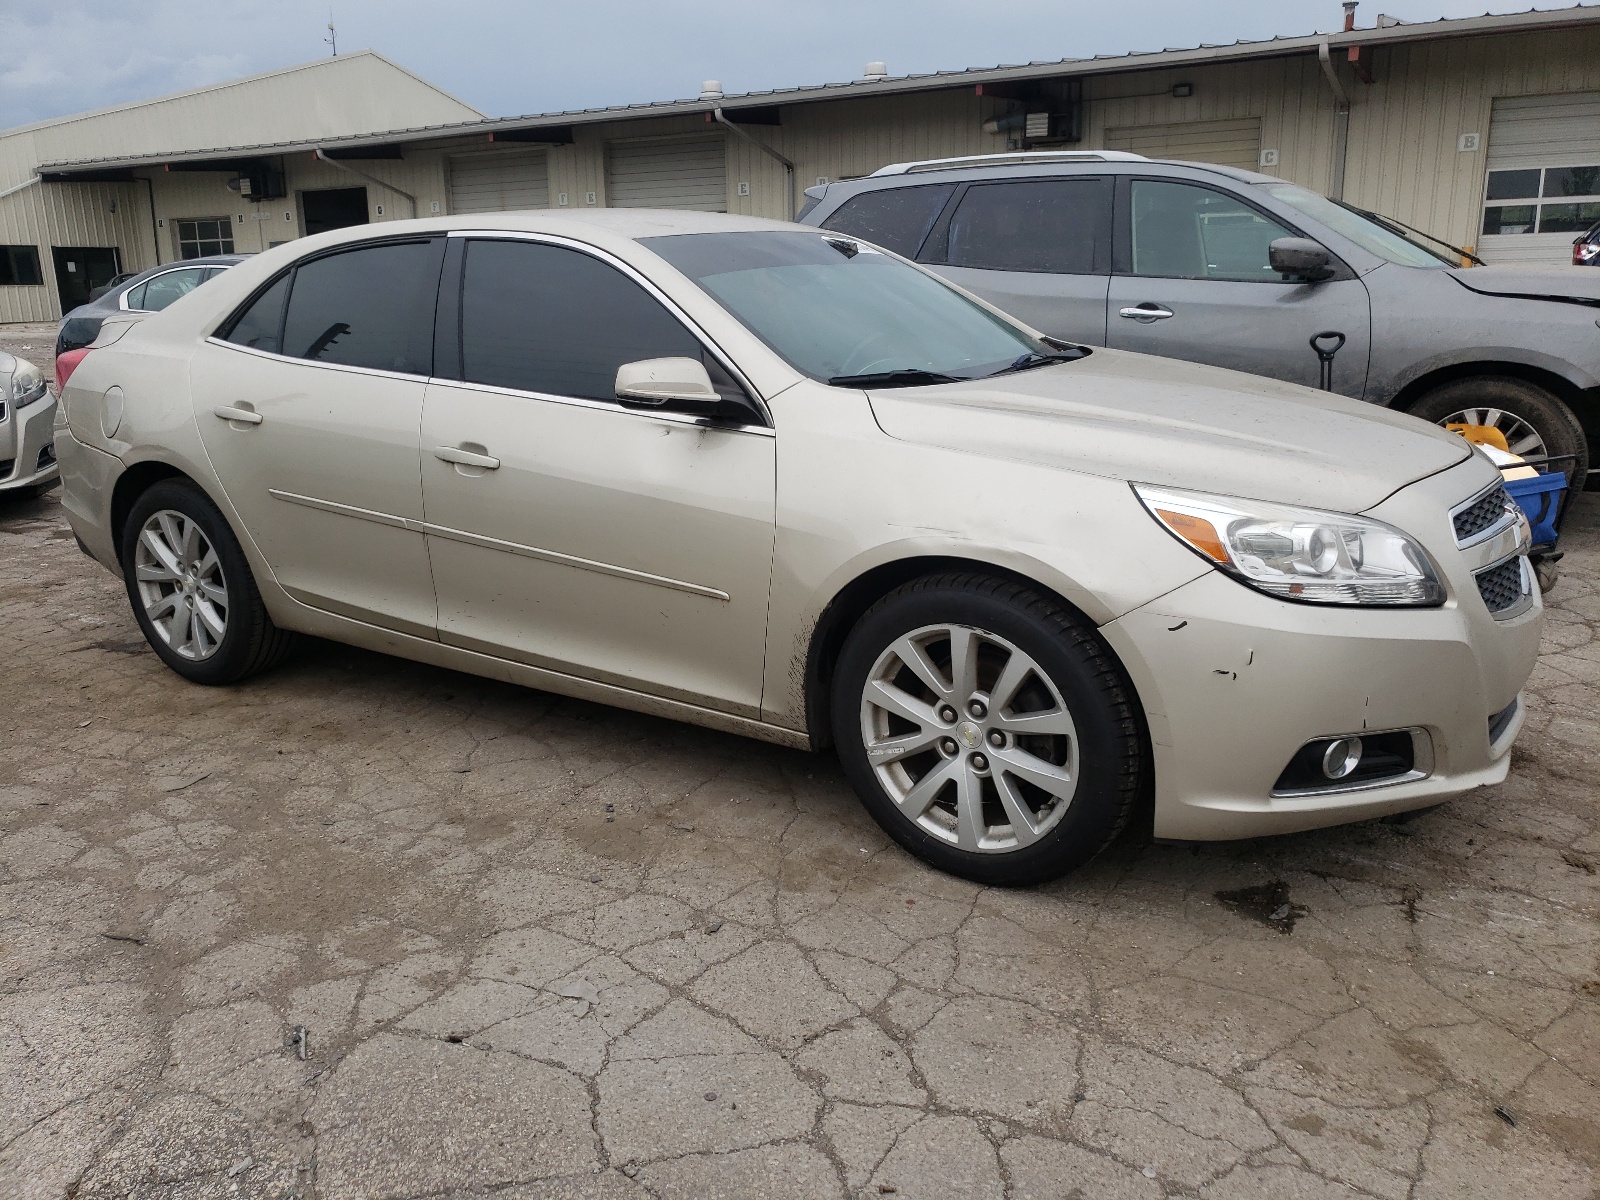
(498, 181)
(684, 172)
(1230, 143)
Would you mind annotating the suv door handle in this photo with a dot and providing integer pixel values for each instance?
(228, 413)
(1146, 312)
(466, 458)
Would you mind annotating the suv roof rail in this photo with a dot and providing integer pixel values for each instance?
(1020, 156)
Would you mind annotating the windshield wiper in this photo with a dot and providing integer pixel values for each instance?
(904, 377)
(1034, 358)
(1401, 228)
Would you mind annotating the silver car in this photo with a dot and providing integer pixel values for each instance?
(784, 484)
(27, 446)
(1216, 265)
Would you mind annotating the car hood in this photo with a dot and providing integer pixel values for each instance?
(1564, 284)
(1159, 420)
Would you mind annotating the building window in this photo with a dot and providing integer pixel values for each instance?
(1542, 200)
(205, 235)
(20, 264)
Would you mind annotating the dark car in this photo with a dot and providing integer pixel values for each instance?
(1586, 248)
(148, 291)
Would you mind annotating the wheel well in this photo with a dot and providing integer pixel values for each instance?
(1574, 397)
(132, 484)
(854, 599)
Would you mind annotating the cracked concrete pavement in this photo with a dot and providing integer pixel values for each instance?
(544, 949)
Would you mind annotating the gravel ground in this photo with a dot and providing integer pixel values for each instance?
(540, 948)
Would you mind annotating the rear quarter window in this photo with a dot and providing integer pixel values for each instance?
(897, 219)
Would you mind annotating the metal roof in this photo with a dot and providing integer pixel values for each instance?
(1100, 64)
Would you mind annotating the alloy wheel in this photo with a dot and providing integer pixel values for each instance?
(969, 738)
(1521, 437)
(181, 584)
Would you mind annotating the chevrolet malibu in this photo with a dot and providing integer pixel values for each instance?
(782, 483)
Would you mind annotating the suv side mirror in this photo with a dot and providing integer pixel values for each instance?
(1300, 258)
(656, 381)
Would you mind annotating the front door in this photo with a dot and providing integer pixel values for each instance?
(1038, 248)
(1193, 282)
(333, 208)
(81, 269)
(309, 412)
(573, 533)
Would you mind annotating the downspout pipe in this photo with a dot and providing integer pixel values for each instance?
(1341, 122)
(334, 162)
(788, 166)
(155, 235)
(12, 191)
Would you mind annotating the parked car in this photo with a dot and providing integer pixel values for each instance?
(115, 281)
(1586, 247)
(27, 412)
(148, 291)
(1217, 265)
(777, 482)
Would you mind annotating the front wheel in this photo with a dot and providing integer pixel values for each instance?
(1534, 422)
(191, 588)
(987, 729)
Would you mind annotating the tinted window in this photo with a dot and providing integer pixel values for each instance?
(1513, 185)
(897, 219)
(155, 294)
(547, 319)
(1056, 225)
(19, 264)
(371, 307)
(261, 325)
(1185, 232)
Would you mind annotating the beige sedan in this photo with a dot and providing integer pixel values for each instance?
(779, 482)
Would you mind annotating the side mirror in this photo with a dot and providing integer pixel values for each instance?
(657, 381)
(1300, 258)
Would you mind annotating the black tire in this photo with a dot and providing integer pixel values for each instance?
(250, 642)
(1110, 753)
(1556, 424)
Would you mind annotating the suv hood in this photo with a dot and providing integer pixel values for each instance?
(1568, 285)
(1159, 420)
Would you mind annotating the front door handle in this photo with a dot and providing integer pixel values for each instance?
(465, 458)
(228, 413)
(1146, 312)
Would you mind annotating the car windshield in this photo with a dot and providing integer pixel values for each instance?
(1389, 244)
(848, 314)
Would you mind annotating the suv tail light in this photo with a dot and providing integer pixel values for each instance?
(1584, 252)
(66, 364)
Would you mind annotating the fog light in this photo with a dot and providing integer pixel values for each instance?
(1341, 758)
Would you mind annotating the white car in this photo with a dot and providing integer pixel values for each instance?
(779, 482)
(27, 446)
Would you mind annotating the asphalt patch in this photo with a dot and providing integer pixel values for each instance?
(1268, 903)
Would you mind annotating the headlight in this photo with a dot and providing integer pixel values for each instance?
(26, 384)
(1299, 553)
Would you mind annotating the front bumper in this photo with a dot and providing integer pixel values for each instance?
(1234, 682)
(27, 451)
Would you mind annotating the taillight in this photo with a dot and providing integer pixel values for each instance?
(1584, 252)
(66, 364)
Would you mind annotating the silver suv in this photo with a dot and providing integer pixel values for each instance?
(1218, 265)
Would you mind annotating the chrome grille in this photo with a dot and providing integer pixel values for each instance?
(1501, 587)
(1482, 514)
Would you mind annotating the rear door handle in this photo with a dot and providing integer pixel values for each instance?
(466, 458)
(229, 413)
(1146, 312)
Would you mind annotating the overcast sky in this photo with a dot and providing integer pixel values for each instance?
(510, 57)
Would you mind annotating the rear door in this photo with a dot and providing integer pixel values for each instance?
(1193, 282)
(1038, 248)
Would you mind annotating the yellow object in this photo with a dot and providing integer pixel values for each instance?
(1482, 435)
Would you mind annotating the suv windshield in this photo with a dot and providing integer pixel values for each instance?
(1386, 243)
(848, 314)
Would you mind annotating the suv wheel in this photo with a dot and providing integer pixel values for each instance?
(988, 730)
(1534, 421)
(191, 588)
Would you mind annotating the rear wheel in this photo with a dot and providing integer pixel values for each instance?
(191, 588)
(987, 729)
(1534, 422)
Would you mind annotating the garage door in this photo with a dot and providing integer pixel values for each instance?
(1230, 143)
(499, 180)
(668, 173)
(1544, 177)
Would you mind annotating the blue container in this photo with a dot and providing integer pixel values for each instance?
(1540, 499)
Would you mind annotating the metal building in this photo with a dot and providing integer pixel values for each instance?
(60, 239)
(1484, 131)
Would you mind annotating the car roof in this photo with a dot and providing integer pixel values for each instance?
(1021, 164)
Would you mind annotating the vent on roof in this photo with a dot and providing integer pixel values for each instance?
(876, 72)
(711, 89)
